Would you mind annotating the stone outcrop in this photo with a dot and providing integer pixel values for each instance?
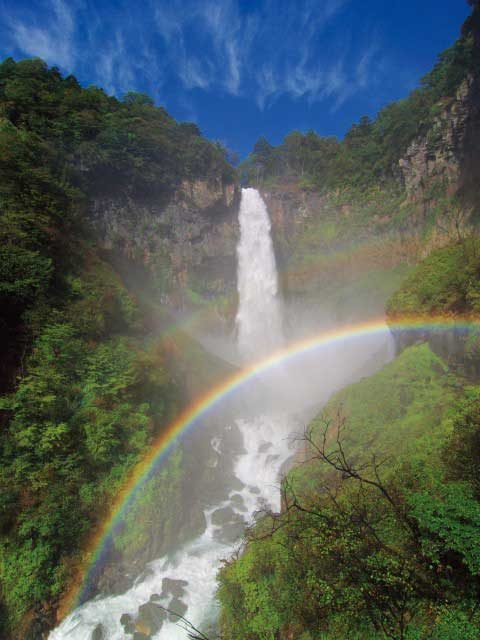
(459, 349)
(192, 235)
(289, 207)
(446, 153)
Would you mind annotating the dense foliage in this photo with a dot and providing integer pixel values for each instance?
(79, 419)
(371, 149)
(103, 140)
(83, 389)
(445, 282)
(91, 396)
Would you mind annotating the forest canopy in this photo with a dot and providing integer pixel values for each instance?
(83, 388)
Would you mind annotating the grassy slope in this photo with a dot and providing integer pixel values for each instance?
(446, 282)
(400, 413)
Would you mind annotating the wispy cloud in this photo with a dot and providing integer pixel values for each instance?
(113, 66)
(299, 61)
(278, 48)
(53, 42)
(272, 51)
(214, 30)
(363, 70)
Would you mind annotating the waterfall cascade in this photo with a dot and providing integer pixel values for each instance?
(256, 469)
(259, 318)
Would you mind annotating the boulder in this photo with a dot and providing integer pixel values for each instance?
(127, 623)
(177, 609)
(237, 502)
(230, 533)
(97, 633)
(223, 515)
(173, 587)
(150, 617)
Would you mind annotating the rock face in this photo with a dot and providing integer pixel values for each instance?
(289, 207)
(190, 237)
(358, 233)
(459, 349)
(447, 152)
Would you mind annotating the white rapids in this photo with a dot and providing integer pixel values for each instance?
(266, 448)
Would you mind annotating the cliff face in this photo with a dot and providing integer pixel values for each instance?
(187, 244)
(449, 151)
(290, 207)
(189, 240)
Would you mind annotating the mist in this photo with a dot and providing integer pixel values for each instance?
(256, 430)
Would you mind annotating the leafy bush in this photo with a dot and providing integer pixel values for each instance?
(446, 282)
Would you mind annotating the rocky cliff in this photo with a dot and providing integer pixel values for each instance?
(448, 153)
(187, 245)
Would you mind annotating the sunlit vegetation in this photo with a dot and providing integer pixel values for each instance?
(445, 282)
(380, 530)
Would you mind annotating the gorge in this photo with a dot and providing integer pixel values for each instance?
(192, 569)
(239, 400)
(187, 576)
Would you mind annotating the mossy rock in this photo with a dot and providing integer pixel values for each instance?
(151, 616)
(177, 609)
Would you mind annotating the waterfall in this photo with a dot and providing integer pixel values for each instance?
(254, 468)
(250, 442)
(259, 316)
(252, 445)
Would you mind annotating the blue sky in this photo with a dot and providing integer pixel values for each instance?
(241, 68)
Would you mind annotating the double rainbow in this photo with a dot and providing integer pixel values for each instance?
(189, 417)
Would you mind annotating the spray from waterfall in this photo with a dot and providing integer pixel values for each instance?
(259, 321)
(253, 445)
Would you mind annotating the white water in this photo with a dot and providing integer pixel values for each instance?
(257, 468)
(198, 562)
(259, 318)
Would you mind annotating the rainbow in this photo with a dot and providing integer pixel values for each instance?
(190, 416)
